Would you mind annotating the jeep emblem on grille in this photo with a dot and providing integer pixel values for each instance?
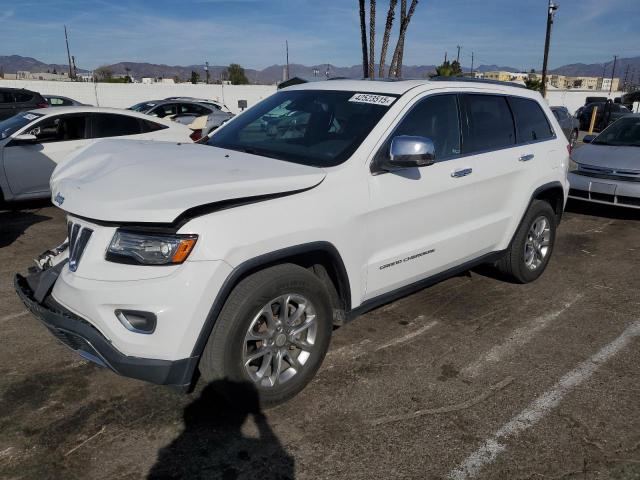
(59, 199)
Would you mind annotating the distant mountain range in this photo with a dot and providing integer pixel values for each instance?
(273, 74)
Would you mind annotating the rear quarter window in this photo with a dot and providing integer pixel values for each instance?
(531, 122)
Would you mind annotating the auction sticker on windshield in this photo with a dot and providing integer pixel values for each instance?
(383, 100)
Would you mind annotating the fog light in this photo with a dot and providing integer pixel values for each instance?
(137, 321)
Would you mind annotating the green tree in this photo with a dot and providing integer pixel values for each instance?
(533, 84)
(237, 75)
(195, 77)
(449, 69)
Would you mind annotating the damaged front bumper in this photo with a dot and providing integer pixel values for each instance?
(82, 337)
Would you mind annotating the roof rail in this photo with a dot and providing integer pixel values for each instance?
(475, 80)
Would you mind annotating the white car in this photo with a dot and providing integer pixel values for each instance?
(238, 260)
(32, 143)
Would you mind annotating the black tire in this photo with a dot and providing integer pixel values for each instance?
(513, 264)
(223, 356)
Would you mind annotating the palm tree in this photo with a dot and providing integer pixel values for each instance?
(387, 33)
(363, 38)
(372, 38)
(395, 69)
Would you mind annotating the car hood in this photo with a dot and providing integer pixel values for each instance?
(155, 182)
(604, 156)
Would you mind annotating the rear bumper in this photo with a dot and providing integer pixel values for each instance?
(82, 337)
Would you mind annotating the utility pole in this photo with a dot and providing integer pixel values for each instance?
(626, 74)
(472, 64)
(206, 71)
(458, 57)
(613, 71)
(551, 10)
(66, 39)
(286, 43)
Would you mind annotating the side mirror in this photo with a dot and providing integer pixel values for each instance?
(588, 138)
(25, 138)
(407, 151)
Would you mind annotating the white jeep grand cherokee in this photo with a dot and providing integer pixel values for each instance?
(236, 258)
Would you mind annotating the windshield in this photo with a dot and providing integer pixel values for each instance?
(623, 133)
(11, 125)
(142, 107)
(313, 127)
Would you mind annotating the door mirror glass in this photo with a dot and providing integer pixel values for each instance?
(25, 138)
(411, 151)
(588, 138)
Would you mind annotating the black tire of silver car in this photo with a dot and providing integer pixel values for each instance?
(529, 252)
(272, 334)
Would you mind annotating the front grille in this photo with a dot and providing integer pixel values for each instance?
(78, 239)
(602, 197)
(635, 201)
(608, 173)
(578, 193)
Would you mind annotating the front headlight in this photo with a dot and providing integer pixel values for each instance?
(572, 165)
(150, 248)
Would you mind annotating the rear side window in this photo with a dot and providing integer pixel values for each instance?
(113, 125)
(489, 123)
(149, 126)
(531, 122)
(21, 97)
(194, 109)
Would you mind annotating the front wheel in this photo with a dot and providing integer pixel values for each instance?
(273, 332)
(529, 252)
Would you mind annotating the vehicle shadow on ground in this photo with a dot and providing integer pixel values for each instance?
(213, 445)
(13, 224)
(601, 210)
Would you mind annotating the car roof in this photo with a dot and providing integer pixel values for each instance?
(89, 109)
(400, 87)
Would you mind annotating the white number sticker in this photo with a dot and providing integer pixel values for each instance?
(372, 99)
(29, 116)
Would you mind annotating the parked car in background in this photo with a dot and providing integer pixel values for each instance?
(607, 168)
(181, 111)
(16, 100)
(234, 260)
(60, 101)
(608, 112)
(212, 103)
(203, 126)
(32, 143)
(569, 124)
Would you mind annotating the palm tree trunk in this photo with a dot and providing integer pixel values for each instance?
(372, 38)
(395, 68)
(387, 33)
(363, 38)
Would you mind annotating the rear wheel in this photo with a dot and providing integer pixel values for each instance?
(273, 332)
(531, 248)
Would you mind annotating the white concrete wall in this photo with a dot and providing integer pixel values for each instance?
(574, 99)
(123, 95)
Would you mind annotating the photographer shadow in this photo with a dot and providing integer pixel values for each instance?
(213, 446)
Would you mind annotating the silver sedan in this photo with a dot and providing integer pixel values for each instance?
(607, 169)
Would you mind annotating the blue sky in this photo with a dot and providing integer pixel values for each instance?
(252, 32)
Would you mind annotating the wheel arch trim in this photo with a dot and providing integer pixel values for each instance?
(263, 261)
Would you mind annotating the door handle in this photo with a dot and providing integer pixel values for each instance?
(527, 157)
(461, 172)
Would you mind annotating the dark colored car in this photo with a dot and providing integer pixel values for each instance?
(569, 124)
(16, 100)
(607, 113)
(60, 101)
